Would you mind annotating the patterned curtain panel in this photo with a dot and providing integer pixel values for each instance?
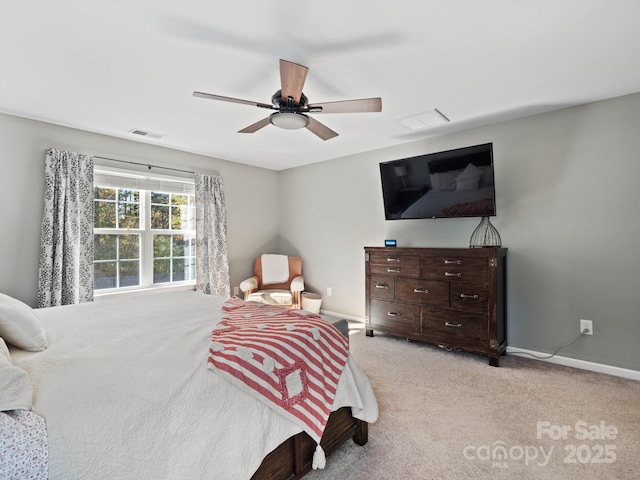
(212, 262)
(66, 244)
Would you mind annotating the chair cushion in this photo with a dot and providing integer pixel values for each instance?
(295, 270)
(275, 269)
(272, 297)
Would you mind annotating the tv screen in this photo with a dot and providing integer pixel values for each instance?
(449, 184)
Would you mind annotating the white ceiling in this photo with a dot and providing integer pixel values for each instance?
(110, 66)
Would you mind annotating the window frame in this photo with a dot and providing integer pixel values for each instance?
(123, 179)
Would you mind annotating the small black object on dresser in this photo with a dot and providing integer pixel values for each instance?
(453, 297)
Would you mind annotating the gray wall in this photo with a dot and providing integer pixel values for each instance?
(568, 188)
(251, 196)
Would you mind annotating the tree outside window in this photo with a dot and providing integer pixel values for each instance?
(142, 238)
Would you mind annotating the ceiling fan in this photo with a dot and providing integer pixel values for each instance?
(292, 107)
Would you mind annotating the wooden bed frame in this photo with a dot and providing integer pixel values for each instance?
(292, 458)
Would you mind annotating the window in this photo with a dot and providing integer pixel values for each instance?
(142, 236)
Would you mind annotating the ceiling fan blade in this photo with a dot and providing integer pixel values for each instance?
(211, 96)
(256, 126)
(349, 106)
(292, 77)
(321, 130)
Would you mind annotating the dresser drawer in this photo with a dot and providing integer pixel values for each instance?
(391, 258)
(395, 317)
(382, 287)
(423, 292)
(459, 330)
(405, 270)
(394, 264)
(468, 269)
(469, 297)
(454, 261)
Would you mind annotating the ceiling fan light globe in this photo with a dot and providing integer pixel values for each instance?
(289, 120)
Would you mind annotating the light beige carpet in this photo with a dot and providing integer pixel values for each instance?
(449, 415)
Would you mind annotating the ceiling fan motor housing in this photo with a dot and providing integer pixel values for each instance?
(278, 102)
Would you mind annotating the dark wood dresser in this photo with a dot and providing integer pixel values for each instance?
(452, 297)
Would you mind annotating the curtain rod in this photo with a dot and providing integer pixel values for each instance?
(148, 165)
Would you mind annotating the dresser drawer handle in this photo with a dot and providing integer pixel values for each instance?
(418, 290)
(464, 295)
(381, 285)
(391, 259)
(393, 270)
(394, 314)
(455, 262)
(456, 325)
(450, 274)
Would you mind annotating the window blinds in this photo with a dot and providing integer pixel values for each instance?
(121, 178)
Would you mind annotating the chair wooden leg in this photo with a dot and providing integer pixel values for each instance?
(296, 300)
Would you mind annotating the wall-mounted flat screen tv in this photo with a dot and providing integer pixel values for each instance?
(449, 184)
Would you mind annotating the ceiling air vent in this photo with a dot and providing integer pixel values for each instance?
(144, 133)
(422, 120)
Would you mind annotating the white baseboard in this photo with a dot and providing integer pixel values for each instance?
(573, 362)
(341, 315)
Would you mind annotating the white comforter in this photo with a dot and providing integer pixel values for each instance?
(126, 394)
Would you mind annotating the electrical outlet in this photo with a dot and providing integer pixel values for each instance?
(236, 291)
(328, 291)
(586, 325)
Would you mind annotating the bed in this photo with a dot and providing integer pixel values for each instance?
(125, 392)
(456, 189)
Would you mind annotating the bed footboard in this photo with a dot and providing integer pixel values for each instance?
(292, 459)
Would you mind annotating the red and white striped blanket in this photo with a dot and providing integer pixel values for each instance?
(289, 359)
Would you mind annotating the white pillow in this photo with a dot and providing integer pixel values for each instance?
(469, 179)
(444, 180)
(20, 326)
